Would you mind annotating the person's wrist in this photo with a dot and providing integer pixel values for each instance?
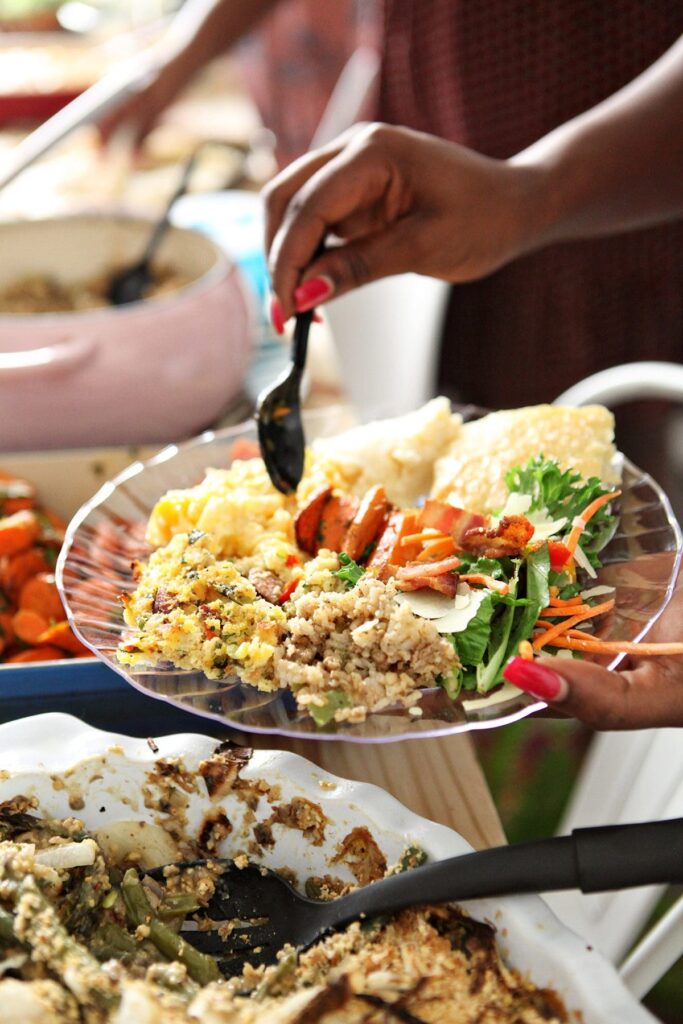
(535, 205)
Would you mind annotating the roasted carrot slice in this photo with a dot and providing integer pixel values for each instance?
(28, 625)
(337, 516)
(391, 550)
(307, 521)
(16, 570)
(40, 594)
(36, 654)
(366, 524)
(18, 532)
(6, 630)
(60, 635)
(16, 494)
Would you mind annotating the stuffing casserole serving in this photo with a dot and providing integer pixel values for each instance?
(87, 935)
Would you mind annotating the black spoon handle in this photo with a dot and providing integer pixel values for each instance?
(302, 326)
(591, 859)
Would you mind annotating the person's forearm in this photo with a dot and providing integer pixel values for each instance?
(203, 29)
(614, 168)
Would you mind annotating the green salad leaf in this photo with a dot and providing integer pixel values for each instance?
(565, 493)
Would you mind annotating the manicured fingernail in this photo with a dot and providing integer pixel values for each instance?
(276, 316)
(317, 319)
(536, 679)
(310, 293)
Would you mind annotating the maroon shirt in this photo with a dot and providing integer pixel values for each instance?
(496, 75)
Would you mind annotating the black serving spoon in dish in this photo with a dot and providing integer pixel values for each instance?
(255, 912)
(131, 283)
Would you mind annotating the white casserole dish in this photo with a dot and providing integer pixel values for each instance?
(106, 772)
(151, 371)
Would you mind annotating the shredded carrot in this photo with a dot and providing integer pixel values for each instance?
(562, 627)
(558, 613)
(581, 521)
(526, 651)
(580, 633)
(439, 548)
(594, 646)
(566, 602)
(426, 535)
(485, 581)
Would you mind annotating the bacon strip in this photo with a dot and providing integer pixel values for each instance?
(510, 537)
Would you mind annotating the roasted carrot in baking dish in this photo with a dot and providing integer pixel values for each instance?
(33, 625)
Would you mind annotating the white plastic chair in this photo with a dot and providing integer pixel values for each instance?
(630, 776)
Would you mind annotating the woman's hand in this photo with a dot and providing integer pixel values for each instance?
(646, 692)
(400, 201)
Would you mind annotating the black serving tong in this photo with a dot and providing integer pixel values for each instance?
(271, 913)
(278, 412)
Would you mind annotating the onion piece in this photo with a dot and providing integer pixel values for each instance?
(596, 591)
(581, 559)
(68, 855)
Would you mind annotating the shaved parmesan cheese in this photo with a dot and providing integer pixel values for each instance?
(428, 604)
(596, 592)
(517, 505)
(545, 528)
(456, 620)
(581, 559)
(450, 615)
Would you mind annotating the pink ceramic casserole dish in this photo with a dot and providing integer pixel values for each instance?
(156, 370)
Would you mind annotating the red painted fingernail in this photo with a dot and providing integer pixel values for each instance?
(310, 293)
(536, 679)
(317, 319)
(276, 316)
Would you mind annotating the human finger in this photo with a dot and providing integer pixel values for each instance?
(278, 192)
(644, 697)
(348, 184)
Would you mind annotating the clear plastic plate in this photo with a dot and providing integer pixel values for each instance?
(94, 568)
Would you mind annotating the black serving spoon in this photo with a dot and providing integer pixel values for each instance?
(131, 283)
(271, 913)
(278, 412)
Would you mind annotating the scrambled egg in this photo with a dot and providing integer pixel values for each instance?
(198, 612)
(238, 507)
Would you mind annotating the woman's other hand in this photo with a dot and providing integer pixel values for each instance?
(646, 692)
